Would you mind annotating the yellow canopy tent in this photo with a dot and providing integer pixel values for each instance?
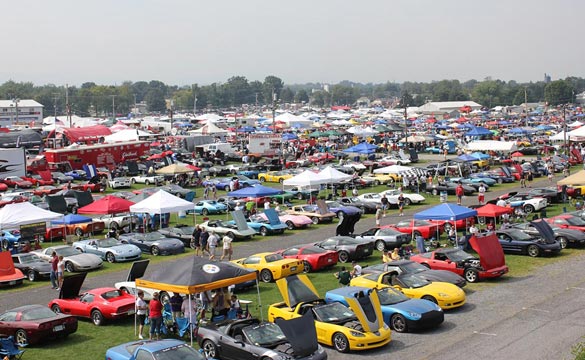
(575, 179)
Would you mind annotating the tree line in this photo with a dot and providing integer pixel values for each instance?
(91, 99)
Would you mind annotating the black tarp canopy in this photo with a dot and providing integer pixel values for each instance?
(26, 138)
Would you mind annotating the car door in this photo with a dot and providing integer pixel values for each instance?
(329, 244)
(82, 306)
(236, 348)
(508, 244)
(93, 248)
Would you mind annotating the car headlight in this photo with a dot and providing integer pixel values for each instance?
(443, 295)
(356, 333)
(414, 315)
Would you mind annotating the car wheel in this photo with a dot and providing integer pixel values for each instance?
(110, 258)
(500, 180)
(78, 232)
(146, 182)
(205, 212)
(96, 317)
(290, 225)
(20, 337)
(31, 275)
(435, 192)
(262, 179)
(307, 267)
(376, 182)
(114, 225)
(56, 309)
(210, 349)
(69, 266)
(380, 245)
(533, 250)
(563, 241)
(340, 342)
(398, 323)
(471, 275)
(263, 231)
(281, 180)
(343, 256)
(299, 196)
(528, 208)
(447, 227)
(266, 275)
(231, 234)
(426, 265)
(315, 220)
(407, 201)
(429, 298)
(133, 181)
(340, 214)
(155, 250)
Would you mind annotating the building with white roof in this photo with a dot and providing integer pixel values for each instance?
(20, 112)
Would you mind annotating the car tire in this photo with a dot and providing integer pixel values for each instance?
(340, 342)
(381, 245)
(299, 196)
(528, 208)
(133, 181)
(377, 183)
(471, 275)
(263, 231)
(69, 266)
(398, 323)
(500, 181)
(97, 317)
(231, 234)
(533, 251)
(340, 214)
(290, 225)
(205, 212)
(209, 349)
(416, 233)
(262, 179)
(20, 337)
(430, 298)
(31, 275)
(281, 180)
(426, 265)
(343, 256)
(563, 241)
(315, 220)
(110, 257)
(146, 182)
(78, 232)
(114, 225)
(155, 251)
(307, 267)
(266, 275)
(56, 309)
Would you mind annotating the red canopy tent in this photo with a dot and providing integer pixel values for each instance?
(517, 154)
(491, 210)
(107, 205)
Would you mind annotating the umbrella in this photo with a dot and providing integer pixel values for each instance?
(109, 204)
(517, 154)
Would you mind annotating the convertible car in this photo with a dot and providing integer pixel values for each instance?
(317, 214)
(109, 249)
(347, 248)
(357, 327)
(292, 221)
(450, 187)
(384, 239)
(97, 304)
(251, 339)
(267, 226)
(399, 312)
(167, 349)
(233, 229)
(515, 241)
(409, 198)
(181, 232)
(75, 260)
(417, 227)
(411, 267)
(271, 266)
(206, 207)
(154, 243)
(564, 236)
(366, 207)
(31, 324)
(314, 258)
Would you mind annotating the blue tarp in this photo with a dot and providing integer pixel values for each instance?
(361, 148)
(478, 131)
(72, 219)
(255, 191)
(450, 212)
(466, 157)
(289, 136)
(246, 129)
(479, 156)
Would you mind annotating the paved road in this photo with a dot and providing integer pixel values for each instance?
(538, 317)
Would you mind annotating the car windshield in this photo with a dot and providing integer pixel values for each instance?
(459, 255)
(37, 313)
(67, 251)
(153, 236)
(313, 250)
(413, 267)
(258, 219)
(334, 204)
(28, 258)
(179, 352)
(186, 230)
(56, 173)
(575, 221)
(334, 312)
(264, 334)
(390, 296)
(112, 294)
(519, 235)
(413, 281)
(109, 242)
(389, 232)
(273, 257)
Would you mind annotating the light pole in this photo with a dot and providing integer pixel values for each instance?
(15, 101)
(195, 105)
(565, 150)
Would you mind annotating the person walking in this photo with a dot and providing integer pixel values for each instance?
(176, 301)
(401, 204)
(203, 238)
(155, 308)
(385, 204)
(227, 248)
(459, 193)
(60, 271)
(196, 240)
(141, 310)
(212, 242)
(481, 194)
(54, 269)
(378, 215)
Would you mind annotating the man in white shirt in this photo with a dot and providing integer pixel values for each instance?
(227, 248)
(357, 269)
(473, 230)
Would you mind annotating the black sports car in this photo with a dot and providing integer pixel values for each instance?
(181, 232)
(154, 243)
(366, 207)
(564, 236)
(32, 266)
(450, 188)
(411, 267)
(347, 247)
(515, 241)
(384, 238)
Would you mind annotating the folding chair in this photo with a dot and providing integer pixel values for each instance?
(9, 348)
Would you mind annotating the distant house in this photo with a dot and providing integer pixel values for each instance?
(363, 102)
(20, 112)
(451, 108)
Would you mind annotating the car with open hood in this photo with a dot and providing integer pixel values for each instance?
(318, 214)
(109, 249)
(401, 313)
(31, 324)
(75, 260)
(99, 305)
(271, 266)
(32, 266)
(357, 327)
(516, 241)
(129, 285)
(347, 248)
(383, 239)
(180, 231)
(292, 221)
(167, 349)
(412, 267)
(314, 258)
(342, 210)
(9, 275)
(490, 264)
(236, 229)
(451, 188)
(255, 339)
(154, 243)
(207, 207)
(567, 221)
(564, 236)
(365, 206)
(447, 296)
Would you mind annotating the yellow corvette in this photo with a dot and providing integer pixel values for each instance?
(447, 296)
(359, 327)
(274, 176)
(379, 179)
(271, 266)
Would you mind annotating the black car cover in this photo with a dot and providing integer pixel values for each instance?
(301, 334)
(83, 198)
(72, 286)
(57, 203)
(347, 224)
(545, 231)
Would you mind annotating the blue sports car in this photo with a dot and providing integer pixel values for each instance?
(109, 249)
(472, 180)
(154, 243)
(167, 349)
(267, 225)
(224, 183)
(401, 313)
(77, 174)
(12, 236)
(341, 209)
(206, 207)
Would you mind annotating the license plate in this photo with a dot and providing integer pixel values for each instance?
(59, 328)
(329, 260)
(366, 250)
(293, 268)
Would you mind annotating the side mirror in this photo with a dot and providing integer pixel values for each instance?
(448, 261)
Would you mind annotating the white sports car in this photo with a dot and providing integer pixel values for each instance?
(393, 194)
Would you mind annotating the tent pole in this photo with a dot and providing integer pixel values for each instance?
(259, 301)
(190, 317)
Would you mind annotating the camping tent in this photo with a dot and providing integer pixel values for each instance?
(448, 212)
(478, 131)
(332, 175)
(392, 169)
(161, 202)
(109, 204)
(491, 210)
(255, 191)
(13, 215)
(575, 179)
(306, 178)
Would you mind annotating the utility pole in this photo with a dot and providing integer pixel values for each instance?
(566, 150)
(525, 106)
(195, 105)
(405, 120)
(55, 98)
(67, 105)
(113, 107)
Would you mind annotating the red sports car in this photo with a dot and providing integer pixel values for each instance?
(46, 190)
(11, 199)
(38, 180)
(567, 221)
(314, 258)
(416, 227)
(458, 224)
(86, 186)
(97, 304)
(321, 158)
(55, 233)
(3, 187)
(31, 324)
(17, 182)
(491, 262)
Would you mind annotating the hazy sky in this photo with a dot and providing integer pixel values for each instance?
(194, 41)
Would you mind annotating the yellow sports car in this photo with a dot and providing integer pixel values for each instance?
(271, 266)
(447, 296)
(379, 179)
(274, 176)
(359, 327)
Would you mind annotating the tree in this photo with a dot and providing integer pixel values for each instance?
(320, 98)
(343, 95)
(155, 100)
(558, 92)
(301, 96)
(236, 90)
(272, 85)
(140, 89)
(287, 96)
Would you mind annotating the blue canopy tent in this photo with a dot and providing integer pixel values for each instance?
(479, 156)
(466, 157)
(255, 191)
(478, 131)
(72, 219)
(362, 148)
(289, 136)
(447, 212)
(246, 129)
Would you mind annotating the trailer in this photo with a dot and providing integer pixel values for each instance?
(264, 145)
(100, 155)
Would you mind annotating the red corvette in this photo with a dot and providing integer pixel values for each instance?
(86, 186)
(17, 182)
(97, 304)
(3, 187)
(458, 224)
(416, 227)
(314, 258)
(567, 221)
(55, 233)
(321, 158)
(31, 324)
(38, 180)
(11, 199)
(46, 190)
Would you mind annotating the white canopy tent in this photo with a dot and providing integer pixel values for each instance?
(306, 178)
(492, 145)
(127, 135)
(332, 175)
(209, 129)
(392, 169)
(14, 215)
(161, 202)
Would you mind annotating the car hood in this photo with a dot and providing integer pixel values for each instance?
(415, 305)
(84, 259)
(441, 275)
(7, 270)
(122, 248)
(301, 334)
(168, 243)
(137, 270)
(40, 266)
(365, 304)
(72, 286)
(489, 249)
(545, 231)
(297, 289)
